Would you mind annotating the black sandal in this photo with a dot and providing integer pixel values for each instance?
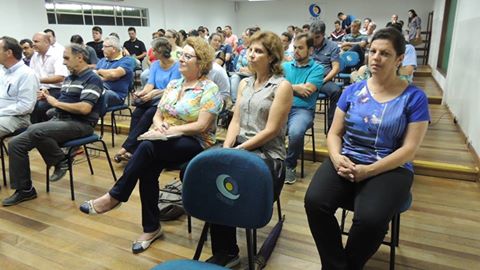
(117, 158)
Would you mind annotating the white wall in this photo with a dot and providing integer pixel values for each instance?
(277, 15)
(461, 85)
(21, 22)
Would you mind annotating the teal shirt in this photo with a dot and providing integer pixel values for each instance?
(311, 73)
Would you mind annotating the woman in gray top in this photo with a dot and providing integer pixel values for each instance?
(414, 25)
(258, 125)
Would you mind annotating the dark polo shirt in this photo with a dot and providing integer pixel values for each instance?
(136, 47)
(85, 87)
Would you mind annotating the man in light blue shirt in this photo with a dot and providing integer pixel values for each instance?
(306, 77)
(18, 88)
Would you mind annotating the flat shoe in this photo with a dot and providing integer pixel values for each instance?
(141, 246)
(87, 208)
(117, 158)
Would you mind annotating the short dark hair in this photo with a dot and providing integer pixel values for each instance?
(394, 36)
(10, 43)
(306, 35)
(340, 14)
(48, 30)
(228, 26)
(201, 29)
(306, 26)
(131, 28)
(337, 22)
(26, 40)
(288, 35)
(79, 50)
(97, 29)
(317, 27)
(77, 39)
(193, 33)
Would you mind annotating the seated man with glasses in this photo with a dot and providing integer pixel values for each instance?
(76, 113)
(116, 71)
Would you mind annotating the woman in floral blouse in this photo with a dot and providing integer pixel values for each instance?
(188, 109)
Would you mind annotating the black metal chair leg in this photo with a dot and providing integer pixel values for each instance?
(2, 153)
(109, 160)
(203, 238)
(70, 169)
(88, 159)
(314, 154)
(251, 254)
(189, 221)
(48, 178)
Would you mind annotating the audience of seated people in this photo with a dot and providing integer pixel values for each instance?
(187, 109)
(182, 99)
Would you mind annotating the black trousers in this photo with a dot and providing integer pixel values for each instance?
(374, 201)
(141, 120)
(145, 166)
(39, 113)
(224, 238)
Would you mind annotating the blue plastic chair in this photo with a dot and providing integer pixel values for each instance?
(348, 60)
(84, 142)
(228, 187)
(394, 228)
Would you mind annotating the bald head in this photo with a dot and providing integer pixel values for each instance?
(41, 42)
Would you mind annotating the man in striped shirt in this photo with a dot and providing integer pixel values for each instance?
(76, 112)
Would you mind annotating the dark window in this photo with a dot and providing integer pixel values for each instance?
(103, 20)
(132, 21)
(69, 19)
(51, 18)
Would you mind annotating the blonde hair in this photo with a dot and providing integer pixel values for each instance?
(273, 45)
(204, 52)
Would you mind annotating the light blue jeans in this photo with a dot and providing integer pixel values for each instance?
(299, 120)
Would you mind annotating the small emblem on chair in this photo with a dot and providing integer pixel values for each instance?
(227, 187)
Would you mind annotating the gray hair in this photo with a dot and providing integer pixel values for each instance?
(78, 49)
(317, 27)
(114, 41)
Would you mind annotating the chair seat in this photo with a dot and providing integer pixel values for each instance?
(81, 141)
(343, 75)
(321, 96)
(187, 265)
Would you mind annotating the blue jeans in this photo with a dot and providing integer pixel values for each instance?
(333, 92)
(299, 120)
(144, 77)
(113, 98)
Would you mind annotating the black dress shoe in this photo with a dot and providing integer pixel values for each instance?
(60, 170)
(20, 196)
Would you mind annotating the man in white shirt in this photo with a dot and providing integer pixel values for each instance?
(18, 87)
(57, 47)
(51, 72)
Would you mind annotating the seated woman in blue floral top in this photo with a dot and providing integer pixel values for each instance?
(188, 108)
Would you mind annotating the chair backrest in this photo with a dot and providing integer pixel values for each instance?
(348, 59)
(228, 187)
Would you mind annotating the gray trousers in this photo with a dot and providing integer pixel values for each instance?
(46, 137)
(10, 123)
